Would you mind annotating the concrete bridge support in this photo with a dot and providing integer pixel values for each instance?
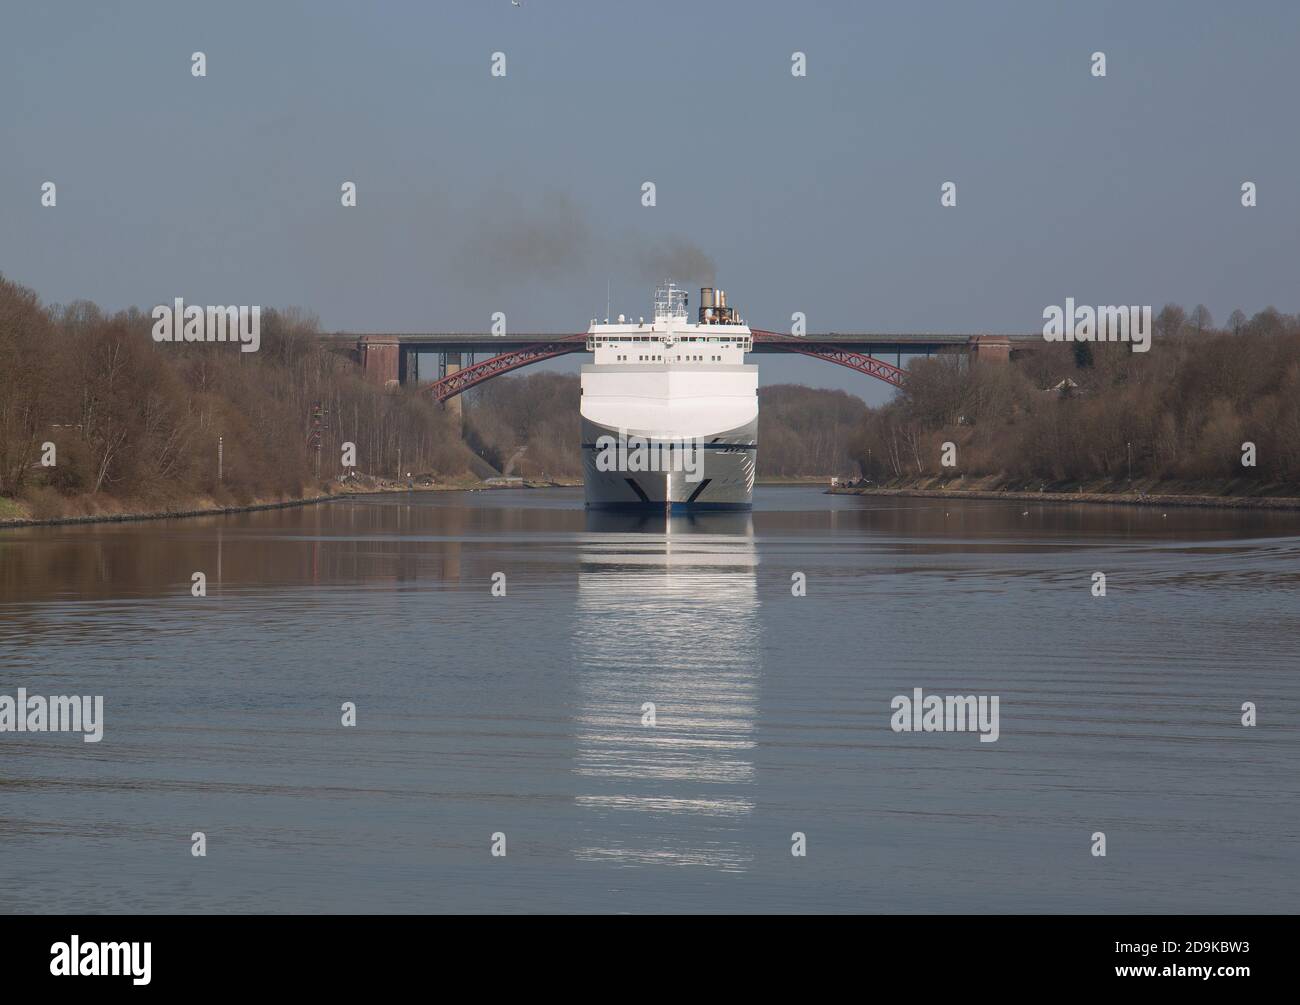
(408, 372)
(990, 349)
(451, 363)
(381, 359)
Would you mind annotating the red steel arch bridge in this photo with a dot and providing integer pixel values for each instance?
(389, 358)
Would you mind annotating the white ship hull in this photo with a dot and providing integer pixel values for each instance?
(724, 479)
(707, 414)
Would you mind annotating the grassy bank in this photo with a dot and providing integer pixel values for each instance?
(1221, 494)
(88, 511)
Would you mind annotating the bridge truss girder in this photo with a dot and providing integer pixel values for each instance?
(462, 380)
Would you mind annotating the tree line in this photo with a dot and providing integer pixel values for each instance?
(1187, 410)
(138, 424)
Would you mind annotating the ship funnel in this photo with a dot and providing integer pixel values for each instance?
(714, 309)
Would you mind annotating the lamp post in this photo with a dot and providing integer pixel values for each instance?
(220, 457)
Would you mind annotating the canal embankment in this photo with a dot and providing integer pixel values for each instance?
(1239, 494)
(17, 513)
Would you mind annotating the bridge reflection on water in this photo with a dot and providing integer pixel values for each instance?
(668, 617)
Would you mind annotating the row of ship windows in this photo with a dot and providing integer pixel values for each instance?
(725, 345)
(659, 359)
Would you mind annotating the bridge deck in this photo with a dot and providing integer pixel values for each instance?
(483, 343)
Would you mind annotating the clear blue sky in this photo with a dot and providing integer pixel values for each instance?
(522, 194)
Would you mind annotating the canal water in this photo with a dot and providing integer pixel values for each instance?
(523, 720)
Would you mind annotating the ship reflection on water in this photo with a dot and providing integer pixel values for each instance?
(667, 613)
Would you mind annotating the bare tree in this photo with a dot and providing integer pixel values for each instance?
(1169, 322)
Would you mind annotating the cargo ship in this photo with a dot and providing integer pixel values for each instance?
(670, 408)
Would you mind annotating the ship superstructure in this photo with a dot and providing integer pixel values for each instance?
(670, 408)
